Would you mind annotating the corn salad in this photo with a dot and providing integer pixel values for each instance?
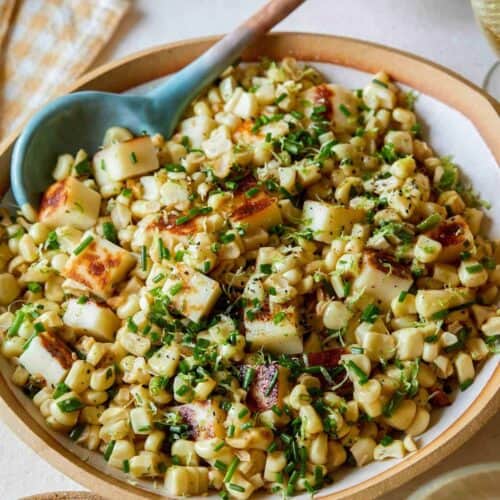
(289, 285)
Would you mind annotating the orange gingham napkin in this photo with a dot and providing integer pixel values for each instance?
(44, 46)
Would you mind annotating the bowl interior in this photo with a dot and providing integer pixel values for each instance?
(448, 132)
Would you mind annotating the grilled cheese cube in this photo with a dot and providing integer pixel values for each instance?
(158, 225)
(192, 293)
(260, 211)
(327, 221)
(205, 418)
(70, 203)
(454, 236)
(275, 330)
(99, 266)
(382, 277)
(430, 302)
(341, 105)
(92, 319)
(47, 356)
(123, 160)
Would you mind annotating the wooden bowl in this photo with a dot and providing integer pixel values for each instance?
(474, 109)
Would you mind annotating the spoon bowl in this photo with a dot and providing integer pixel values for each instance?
(69, 123)
(80, 120)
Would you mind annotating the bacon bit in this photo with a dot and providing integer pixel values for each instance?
(449, 232)
(323, 97)
(256, 396)
(386, 263)
(245, 184)
(329, 358)
(439, 398)
(57, 348)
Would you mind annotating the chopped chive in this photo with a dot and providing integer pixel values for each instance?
(489, 263)
(279, 317)
(297, 115)
(272, 447)
(83, 168)
(266, 268)
(308, 487)
(83, 299)
(174, 167)
(402, 296)
(370, 313)
(34, 287)
(194, 212)
(227, 237)
(220, 465)
(109, 232)
(236, 487)
(158, 278)
(83, 245)
(382, 84)
(164, 253)
(76, 432)
(362, 376)
(126, 466)
(16, 324)
(230, 431)
(219, 446)
(386, 440)
(440, 314)
(132, 326)
(144, 258)
(175, 289)
(109, 450)
(52, 243)
(60, 389)
(231, 469)
(476, 268)
(249, 376)
(252, 192)
(344, 110)
(431, 339)
(246, 426)
(280, 98)
(39, 328)
(430, 222)
(179, 255)
(183, 389)
(275, 409)
(133, 157)
(465, 385)
(243, 413)
(69, 405)
(287, 439)
(127, 192)
(274, 379)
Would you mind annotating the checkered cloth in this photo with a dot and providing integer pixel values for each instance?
(44, 45)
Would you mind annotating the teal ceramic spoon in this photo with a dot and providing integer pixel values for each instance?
(79, 120)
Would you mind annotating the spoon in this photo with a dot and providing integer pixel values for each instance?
(79, 120)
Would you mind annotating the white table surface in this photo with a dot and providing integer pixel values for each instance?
(441, 30)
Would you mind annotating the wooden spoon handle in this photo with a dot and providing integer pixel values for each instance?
(185, 85)
(270, 15)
